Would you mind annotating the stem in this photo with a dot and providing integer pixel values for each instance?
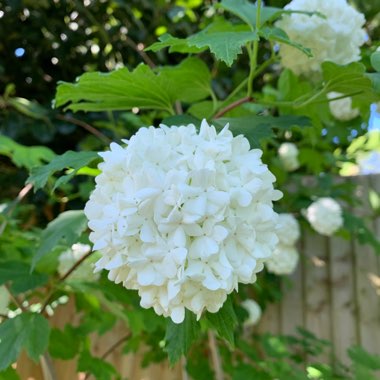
(85, 126)
(231, 106)
(48, 369)
(63, 278)
(184, 373)
(145, 57)
(215, 357)
(15, 299)
(253, 51)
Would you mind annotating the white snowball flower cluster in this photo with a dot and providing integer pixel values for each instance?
(335, 38)
(325, 216)
(67, 259)
(4, 300)
(285, 256)
(183, 217)
(288, 153)
(254, 312)
(342, 109)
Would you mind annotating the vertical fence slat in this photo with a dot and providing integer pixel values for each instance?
(343, 306)
(317, 297)
(366, 266)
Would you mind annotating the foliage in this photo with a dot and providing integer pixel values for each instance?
(116, 66)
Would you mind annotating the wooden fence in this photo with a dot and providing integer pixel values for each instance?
(335, 293)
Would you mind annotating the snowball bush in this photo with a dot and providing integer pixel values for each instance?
(68, 259)
(183, 217)
(325, 216)
(342, 109)
(288, 153)
(254, 312)
(336, 38)
(285, 256)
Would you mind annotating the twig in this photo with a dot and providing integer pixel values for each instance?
(86, 126)
(20, 196)
(63, 278)
(215, 357)
(15, 299)
(233, 105)
(110, 350)
(141, 52)
(48, 369)
(185, 375)
(4, 316)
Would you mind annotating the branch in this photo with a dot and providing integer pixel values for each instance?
(15, 299)
(141, 52)
(86, 126)
(233, 105)
(63, 278)
(111, 349)
(215, 357)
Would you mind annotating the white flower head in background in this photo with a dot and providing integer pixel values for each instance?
(342, 109)
(325, 216)
(254, 312)
(370, 164)
(4, 300)
(183, 216)
(288, 153)
(285, 257)
(284, 260)
(67, 259)
(335, 37)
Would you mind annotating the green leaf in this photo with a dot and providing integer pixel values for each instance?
(74, 160)
(258, 128)
(143, 88)
(224, 40)
(247, 11)
(24, 156)
(272, 33)
(179, 337)
(9, 374)
(364, 358)
(349, 79)
(29, 109)
(19, 275)
(224, 321)
(63, 344)
(375, 60)
(97, 367)
(29, 331)
(68, 226)
(175, 45)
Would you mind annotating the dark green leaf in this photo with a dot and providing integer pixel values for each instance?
(179, 337)
(29, 331)
(74, 160)
(97, 367)
(64, 344)
(224, 321)
(258, 128)
(25, 156)
(19, 275)
(68, 226)
(29, 108)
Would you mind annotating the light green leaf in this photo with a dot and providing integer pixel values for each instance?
(29, 331)
(375, 60)
(272, 33)
(143, 88)
(224, 40)
(9, 374)
(364, 358)
(175, 45)
(19, 275)
(25, 156)
(224, 321)
(74, 160)
(179, 337)
(68, 226)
